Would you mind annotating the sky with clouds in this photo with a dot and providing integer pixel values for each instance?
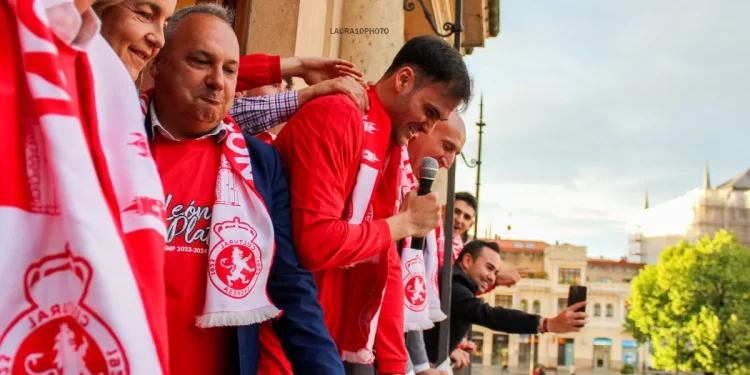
(589, 102)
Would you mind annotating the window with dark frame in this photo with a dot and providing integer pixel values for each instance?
(565, 345)
(569, 276)
(537, 306)
(504, 301)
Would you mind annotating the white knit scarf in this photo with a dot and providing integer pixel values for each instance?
(419, 268)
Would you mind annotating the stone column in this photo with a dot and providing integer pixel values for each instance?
(272, 27)
(313, 29)
(372, 52)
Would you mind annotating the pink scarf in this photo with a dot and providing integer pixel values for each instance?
(241, 242)
(81, 207)
(419, 268)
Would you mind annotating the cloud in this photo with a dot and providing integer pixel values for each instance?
(588, 103)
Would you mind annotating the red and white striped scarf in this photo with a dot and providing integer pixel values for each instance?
(81, 209)
(241, 241)
(419, 268)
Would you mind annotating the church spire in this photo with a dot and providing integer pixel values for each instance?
(645, 199)
(706, 179)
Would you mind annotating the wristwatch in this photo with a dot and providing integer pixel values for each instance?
(542, 325)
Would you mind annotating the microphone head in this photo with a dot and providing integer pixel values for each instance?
(428, 168)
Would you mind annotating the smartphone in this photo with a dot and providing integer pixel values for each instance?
(577, 293)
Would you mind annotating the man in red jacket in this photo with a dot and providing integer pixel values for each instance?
(344, 169)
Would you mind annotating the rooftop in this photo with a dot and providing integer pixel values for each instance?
(521, 246)
(739, 182)
(610, 262)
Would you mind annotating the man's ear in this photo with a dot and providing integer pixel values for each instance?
(404, 79)
(154, 66)
(466, 261)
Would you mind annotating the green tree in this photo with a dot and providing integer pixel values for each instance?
(694, 306)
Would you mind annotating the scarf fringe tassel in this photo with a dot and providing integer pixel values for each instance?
(437, 315)
(362, 356)
(418, 326)
(237, 318)
(446, 367)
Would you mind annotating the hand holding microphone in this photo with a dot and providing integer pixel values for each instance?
(422, 215)
(420, 210)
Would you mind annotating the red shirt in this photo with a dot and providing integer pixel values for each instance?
(321, 147)
(258, 70)
(188, 171)
(266, 137)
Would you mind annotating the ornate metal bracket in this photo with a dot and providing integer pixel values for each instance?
(450, 27)
(472, 164)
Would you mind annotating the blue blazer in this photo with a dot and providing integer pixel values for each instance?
(301, 328)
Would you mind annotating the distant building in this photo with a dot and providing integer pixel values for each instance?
(602, 344)
(699, 212)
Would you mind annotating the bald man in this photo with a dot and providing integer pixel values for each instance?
(443, 144)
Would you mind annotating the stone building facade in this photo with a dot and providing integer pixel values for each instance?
(699, 212)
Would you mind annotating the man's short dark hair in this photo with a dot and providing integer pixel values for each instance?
(468, 198)
(435, 61)
(475, 248)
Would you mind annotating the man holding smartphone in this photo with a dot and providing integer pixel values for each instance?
(475, 269)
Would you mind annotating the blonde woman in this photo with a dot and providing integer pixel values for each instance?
(134, 29)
